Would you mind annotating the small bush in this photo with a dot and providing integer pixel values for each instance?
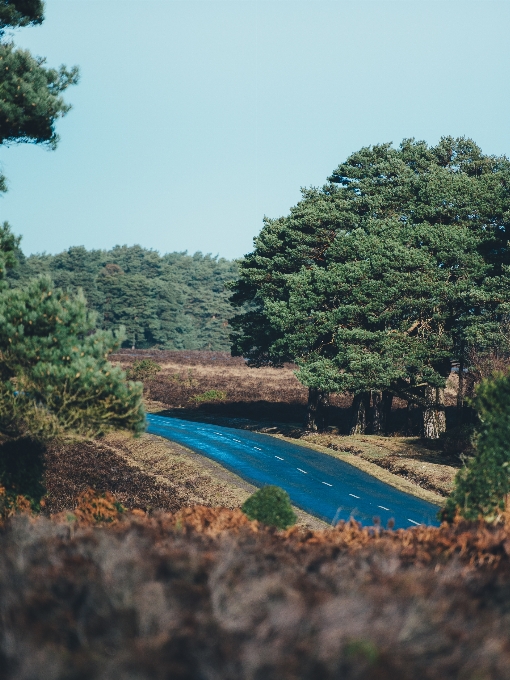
(12, 504)
(270, 505)
(210, 395)
(93, 507)
(143, 369)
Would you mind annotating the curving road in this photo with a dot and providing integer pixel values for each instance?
(317, 483)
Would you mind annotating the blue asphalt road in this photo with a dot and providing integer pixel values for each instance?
(317, 483)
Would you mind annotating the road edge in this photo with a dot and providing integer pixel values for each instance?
(372, 469)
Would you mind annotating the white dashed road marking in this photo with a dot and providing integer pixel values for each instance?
(278, 457)
(412, 520)
(327, 484)
(237, 440)
(256, 447)
(300, 470)
(351, 494)
(382, 507)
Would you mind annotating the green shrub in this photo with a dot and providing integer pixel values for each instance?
(210, 395)
(482, 485)
(270, 505)
(143, 369)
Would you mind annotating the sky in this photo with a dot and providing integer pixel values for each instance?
(194, 119)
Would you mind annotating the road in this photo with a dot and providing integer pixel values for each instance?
(316, 482)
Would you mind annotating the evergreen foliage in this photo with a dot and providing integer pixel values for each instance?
(54, 370)
(270, 505)
(16, 13)
(174, 301)
(30, 101)
(483, 484)
(30, 94)
(382, 277)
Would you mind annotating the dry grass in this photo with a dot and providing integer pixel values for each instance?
(273, 401)
(149, 473)
(406, 460)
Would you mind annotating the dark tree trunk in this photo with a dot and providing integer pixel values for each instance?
(460, 393)
(434, 415)
(382, 402)
(317, 409)
(411, 425)
(360, 413)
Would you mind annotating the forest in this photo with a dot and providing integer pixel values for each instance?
(172, 301)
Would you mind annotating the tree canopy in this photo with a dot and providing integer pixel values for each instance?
(382, 277)
(173, 301)
(30, 93)
(54, 370)
(16, 13)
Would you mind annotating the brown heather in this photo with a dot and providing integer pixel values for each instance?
(204, 593)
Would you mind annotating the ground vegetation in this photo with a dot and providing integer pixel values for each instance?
(271, 506)
(206, 593)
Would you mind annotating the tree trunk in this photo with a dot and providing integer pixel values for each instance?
(317, 409)
(382, 402)
(411, 428)
(360, 411)
(434, 415)
(460, 393)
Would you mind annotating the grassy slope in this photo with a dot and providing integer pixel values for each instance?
(149, 473)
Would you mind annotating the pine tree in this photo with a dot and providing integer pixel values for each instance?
(375, 282)
(30, 94)
(54, 371)
(483, 484)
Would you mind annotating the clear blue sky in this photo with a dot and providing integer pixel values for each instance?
(193, 120)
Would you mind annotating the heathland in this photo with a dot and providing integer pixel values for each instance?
(216, 387)
(129, 557)
(155, 572)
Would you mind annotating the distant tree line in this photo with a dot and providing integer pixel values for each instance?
(172, 301)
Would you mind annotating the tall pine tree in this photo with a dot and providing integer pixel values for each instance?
(408, 272)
